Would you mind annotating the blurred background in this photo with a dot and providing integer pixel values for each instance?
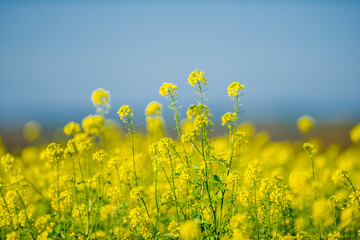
(294, 58)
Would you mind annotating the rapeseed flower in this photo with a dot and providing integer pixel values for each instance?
(100, 97)
(195, 77)
(125, 113)
(72, 128)
(167, 88)
(305, 124)
(153, 109)
(234, 89)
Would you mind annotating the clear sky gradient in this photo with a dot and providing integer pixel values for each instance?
(294, 57)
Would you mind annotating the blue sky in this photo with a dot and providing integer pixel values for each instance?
(294, 57)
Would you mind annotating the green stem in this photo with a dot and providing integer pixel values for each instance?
(86, 195)
(156, 198)
(58, 190)
(76, 191)
(203, 143)
(354, 190)
(132, 148)
(178, 127)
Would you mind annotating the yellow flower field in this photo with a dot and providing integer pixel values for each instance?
(108, 182)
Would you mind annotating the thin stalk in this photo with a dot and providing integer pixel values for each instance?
(178, 128)
(231, 141)
(133, 149)
(58, 190)
(156, 198)
(76, 191)
(173, 190)
(312, 165)
(205, 160)
(353, 189)
(87, 205)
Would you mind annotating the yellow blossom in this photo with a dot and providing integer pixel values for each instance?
(100, 155)
(7, 162)
(72, 128)
(114, 195)
(93, 124)
(54, 152)
(227, 118)
(234, 88)
(310, 147)
(305, 124)
(100, 96)
(167, 88)
(195, 76)
(153, 108)
(125, 112)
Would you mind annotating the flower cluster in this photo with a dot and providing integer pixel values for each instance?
(234, 89)
(195, 77)
(167, 88)
(125, 113)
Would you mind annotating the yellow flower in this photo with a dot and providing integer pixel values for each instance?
(252, 173)
(43, 236)
(137, 193)
(227, 118)
(173, 228)
(7, 162)
(54, 152)
(341, 176)
(114, 195)
(13, 236)
(125, 112)
(305, 124)
(195, 110)
(42, 222)
(310, 147)
(167, 88)
(114, 162)
(153, 108)
(100, 155)
(195, 76)
(335, 202)
(334, 236)
(72, 128)
(234, 88)
(79, 212)
(202, 121)
(93, 124)
(100, 97)
(355, 134)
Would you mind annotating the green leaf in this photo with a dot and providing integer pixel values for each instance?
(216, 178)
